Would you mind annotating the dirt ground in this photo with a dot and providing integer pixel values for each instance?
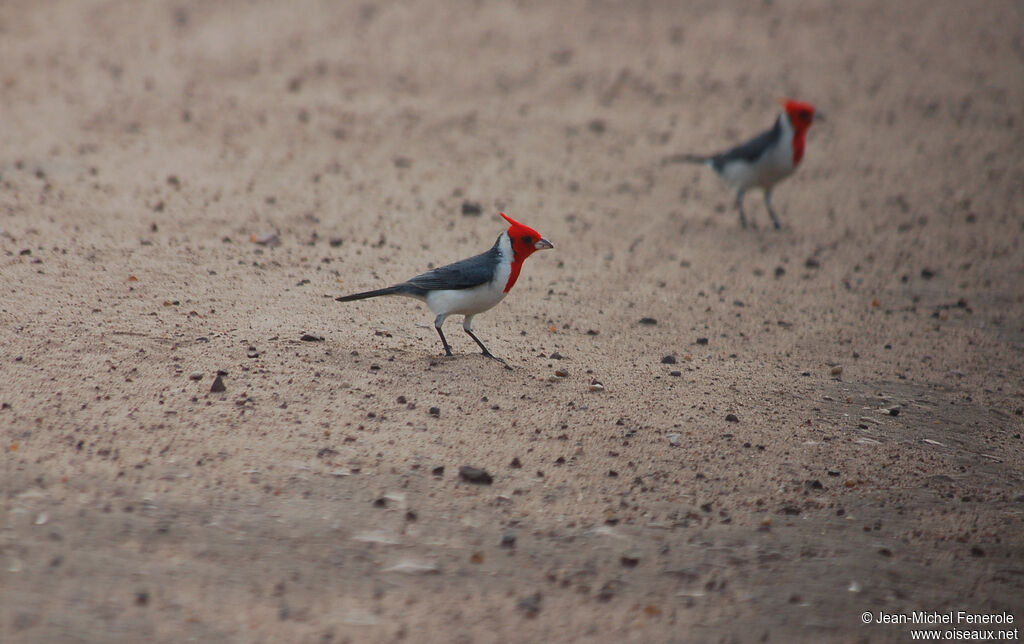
(742, 476)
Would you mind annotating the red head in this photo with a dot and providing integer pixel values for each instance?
(800, 115)
(525, 241)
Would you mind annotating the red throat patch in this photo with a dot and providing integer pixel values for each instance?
(800, 115)
(523, 240)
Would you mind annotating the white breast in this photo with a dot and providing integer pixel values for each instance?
(773, 166)
(470, 301)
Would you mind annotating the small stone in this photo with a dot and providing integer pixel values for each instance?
(530, 606)
(732, 418)
(812, 262)
(674, 439)
(675, 374)
(308, 337)
(629, 559)
(471, 209)
(609, 590)
(434, 411)
(648, 321)
(516, 463)
(894, 411)
(976, 551)
(927, 273)
(475, 475)
(336, 241)
(836, 371)
(562, 373)
(508, 540)
(217, 386)
(555, 356)
(196, 375)
(438, 471)
(668, 360)
(270, 240)
(702, 340)
(596, 386)
(414, 567)
(253, 354)
(779, 271)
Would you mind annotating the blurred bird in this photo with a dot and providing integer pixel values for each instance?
(470, 286)
(764, 160)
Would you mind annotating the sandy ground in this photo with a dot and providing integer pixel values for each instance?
(144, 146)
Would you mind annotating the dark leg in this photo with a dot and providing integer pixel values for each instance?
(437, 325)
(739, 206)
(467, 326)
(771, 211)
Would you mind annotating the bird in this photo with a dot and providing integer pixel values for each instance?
(764, 160)
(470, 286)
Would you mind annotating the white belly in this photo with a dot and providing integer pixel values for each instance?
(773, 166)
(467, 301)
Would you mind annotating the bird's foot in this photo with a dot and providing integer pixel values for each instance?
(488, 354)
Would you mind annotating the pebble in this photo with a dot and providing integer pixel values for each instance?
(270, 240)
(674, 439)
(414, 567)
(609, 590)
(562, 373)
(530, 606)
(438, 471)
(812, 262)
(516, 463)
(836, 371)
(508, 540)
(196, 375)
(471, 209)
(217, 386)
(434, 411)
(629, 559)
(732, 418)
(668, 360)
(596, 386)
(475, 475)
(702, 340)
(308, 337)
(648, 321)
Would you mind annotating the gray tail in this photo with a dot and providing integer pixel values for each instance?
(391, 290)
(685, 158)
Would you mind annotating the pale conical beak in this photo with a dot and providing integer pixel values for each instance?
(543, 244)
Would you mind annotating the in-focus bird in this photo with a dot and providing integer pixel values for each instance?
(764, 160)
(470, 286)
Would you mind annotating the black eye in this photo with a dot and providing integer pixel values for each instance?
(526, 239)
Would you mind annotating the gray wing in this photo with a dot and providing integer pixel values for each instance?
(751, 150)
(463, 274)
